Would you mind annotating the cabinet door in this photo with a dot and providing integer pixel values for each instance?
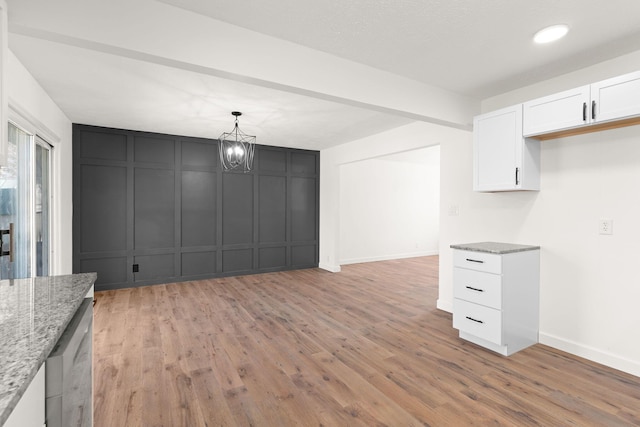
(559, 111)
(497, 149)
(617, 98)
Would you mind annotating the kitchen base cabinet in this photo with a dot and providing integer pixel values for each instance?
(496, 293)
(29, 412)
(35, 320)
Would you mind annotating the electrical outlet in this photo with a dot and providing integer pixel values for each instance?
(606, 226)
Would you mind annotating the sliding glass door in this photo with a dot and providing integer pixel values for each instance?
(42, 203)
(25, 206)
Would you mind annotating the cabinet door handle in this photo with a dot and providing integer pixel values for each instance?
(474, 320)
(11, 251)
(517, 176)
(474, 289)
(593, 110)
(584, 111)
(475, 260)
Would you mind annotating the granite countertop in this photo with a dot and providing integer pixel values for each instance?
(495, 247)
(33, 315)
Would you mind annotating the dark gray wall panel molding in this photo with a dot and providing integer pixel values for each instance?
(102, 145)
(237, 260)
(161, 266)
(303, 163)
(196, 264)
(272, 257)
(272, 211)
(152, 208)
(153, 150)
(304, 209)
(304, 256)
(103, 201)
(198, 209)
(237, 208)
(272, 161)
(112, 270)
(199, 155)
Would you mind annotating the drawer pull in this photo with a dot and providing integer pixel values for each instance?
(474, 289)
(474, 320)
(475, 260)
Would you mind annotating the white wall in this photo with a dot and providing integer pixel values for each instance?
(410, 137)
(389, 207)
(31, 108)
(589, 289)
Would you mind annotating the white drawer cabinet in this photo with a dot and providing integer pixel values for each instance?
(496, 295)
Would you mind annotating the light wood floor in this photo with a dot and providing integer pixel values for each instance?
(365, 347)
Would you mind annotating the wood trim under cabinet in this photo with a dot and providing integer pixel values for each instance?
(588, 129)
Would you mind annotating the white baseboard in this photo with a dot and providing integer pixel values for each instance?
(387, 257)
(329, 267)
(444, 305)
(591, 353)
(596, 355)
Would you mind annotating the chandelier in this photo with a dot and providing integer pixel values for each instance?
(237, 148)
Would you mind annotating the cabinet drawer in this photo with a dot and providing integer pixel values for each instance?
(478, 320)
(480, 261)
(478, 287)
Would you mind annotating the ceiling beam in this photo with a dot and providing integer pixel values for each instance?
(158, 33)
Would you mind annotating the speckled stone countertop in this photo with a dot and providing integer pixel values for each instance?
(494, 247)
(33, 315)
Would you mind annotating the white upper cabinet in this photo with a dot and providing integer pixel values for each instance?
(610, 100)
(562, 110)
(617, 98)
(502, 159)
(506, 143)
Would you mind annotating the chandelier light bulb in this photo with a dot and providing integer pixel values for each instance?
(236, 148)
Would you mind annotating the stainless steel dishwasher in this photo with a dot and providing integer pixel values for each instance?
(68, 373)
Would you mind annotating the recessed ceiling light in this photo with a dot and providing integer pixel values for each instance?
(551, 34)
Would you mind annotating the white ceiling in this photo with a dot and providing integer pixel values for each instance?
(477, 48)
(105, 90)
(474, 48)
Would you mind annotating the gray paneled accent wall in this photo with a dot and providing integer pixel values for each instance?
(152, 208)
